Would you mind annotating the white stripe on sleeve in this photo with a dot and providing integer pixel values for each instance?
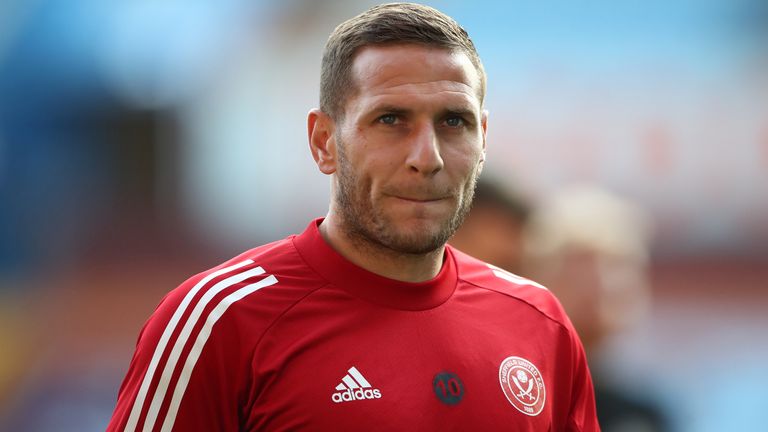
(138, 403)
(202, 338)
(173, 358)
(511, 277)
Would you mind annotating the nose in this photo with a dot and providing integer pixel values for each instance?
(424, 153)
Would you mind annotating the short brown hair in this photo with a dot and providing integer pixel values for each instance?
(386, 24)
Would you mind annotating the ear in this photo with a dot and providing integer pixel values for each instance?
(322, 140)
(484, 125)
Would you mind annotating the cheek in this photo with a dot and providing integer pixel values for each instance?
(364, 180)
(462, 162)
(379, 167)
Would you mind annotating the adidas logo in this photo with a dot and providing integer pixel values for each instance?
(354, 387)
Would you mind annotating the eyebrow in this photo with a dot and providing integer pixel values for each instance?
(460, 111)
(391, 109)
(394, 109)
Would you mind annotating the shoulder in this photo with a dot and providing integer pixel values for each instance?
(200, 339)
(253, 289)
(509, 285)
(278, 262)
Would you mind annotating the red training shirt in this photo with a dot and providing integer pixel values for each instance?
(292, 336)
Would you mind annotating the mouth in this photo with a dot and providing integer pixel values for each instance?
(421, 200)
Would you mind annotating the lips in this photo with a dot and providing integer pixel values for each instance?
(421, 200)
(418, 195)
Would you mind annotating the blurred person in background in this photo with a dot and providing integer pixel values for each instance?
(590, 248)
(493, 230)
(367, 320)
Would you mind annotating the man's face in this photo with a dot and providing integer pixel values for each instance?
(410, 147)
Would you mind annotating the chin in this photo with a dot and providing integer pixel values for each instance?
(414, 246)
(417, 237)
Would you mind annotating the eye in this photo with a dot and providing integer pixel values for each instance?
(388, 119)
(454, 121)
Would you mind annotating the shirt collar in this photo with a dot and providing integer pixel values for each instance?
(372, 287)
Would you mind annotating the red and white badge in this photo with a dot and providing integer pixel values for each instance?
(523, 385)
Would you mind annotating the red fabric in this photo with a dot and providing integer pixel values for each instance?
(432, 352)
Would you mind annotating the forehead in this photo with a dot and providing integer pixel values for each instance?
(398, 70)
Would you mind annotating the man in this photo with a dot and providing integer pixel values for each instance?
(367, 321)
(591, 248)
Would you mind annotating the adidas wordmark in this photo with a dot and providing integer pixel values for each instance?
(354, 387)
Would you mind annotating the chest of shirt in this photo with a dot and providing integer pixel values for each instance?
(462, 366)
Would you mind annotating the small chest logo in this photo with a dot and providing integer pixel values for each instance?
(354, 386)
(523, 385)
(448, 388)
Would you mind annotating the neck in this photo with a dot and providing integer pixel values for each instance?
(379, 259)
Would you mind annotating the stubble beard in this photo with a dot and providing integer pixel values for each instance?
(368, 227)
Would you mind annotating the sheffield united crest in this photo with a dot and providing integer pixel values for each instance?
(523, 385)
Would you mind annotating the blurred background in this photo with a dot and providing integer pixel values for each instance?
(144, 141)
